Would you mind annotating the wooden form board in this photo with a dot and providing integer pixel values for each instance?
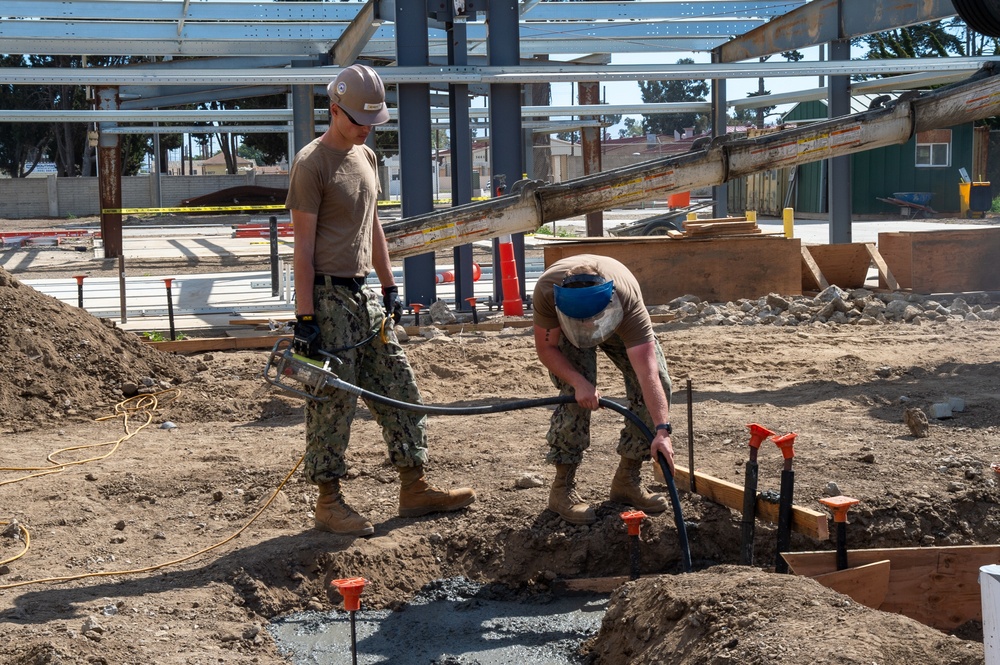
(937, 586)
(943, 261)
(812, 523)
(717, 269)
(866, 584)
(845, 265)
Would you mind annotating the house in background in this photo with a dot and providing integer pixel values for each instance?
(216, 165)
(928, 162)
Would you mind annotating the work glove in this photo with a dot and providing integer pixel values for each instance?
(393, 305)
(305, 341)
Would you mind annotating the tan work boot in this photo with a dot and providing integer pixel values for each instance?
(417, 497)
(334, 515)
(626, 488)
(564, 500)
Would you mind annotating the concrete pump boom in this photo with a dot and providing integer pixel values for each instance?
(532, 203)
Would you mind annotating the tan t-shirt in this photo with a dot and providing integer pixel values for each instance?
(342, 189)
(636, 327)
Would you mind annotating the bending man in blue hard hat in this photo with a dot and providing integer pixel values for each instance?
(581, 303)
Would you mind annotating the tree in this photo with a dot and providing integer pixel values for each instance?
(632, 128)
(656, 92)
(938, 39)
(22, 144)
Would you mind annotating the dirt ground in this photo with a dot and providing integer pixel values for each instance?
(158, 532)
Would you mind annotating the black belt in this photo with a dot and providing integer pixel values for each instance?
(353, 283)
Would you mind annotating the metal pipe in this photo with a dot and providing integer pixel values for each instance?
(528, 207)
(273, 234)
(690, 405)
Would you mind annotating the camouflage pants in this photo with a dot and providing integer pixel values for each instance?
(346, 318)
(569, 430)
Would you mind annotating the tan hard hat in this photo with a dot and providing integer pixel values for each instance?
(359, 91)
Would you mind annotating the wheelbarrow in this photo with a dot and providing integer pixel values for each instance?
(911, 203)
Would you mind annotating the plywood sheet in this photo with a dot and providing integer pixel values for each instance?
(943, 261)
(937, 586)
(845, 265)
(866, 584)
(896, 249)
(718, 269)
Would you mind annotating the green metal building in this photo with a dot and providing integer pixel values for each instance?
(929, 162)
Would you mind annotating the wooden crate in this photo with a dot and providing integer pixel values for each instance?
(717, 269)
(943, 261)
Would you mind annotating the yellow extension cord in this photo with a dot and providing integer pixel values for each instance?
(144, 406)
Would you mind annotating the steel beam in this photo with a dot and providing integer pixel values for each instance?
(556, 72)
(824, 21)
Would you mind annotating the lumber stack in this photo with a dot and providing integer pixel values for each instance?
(719, 227)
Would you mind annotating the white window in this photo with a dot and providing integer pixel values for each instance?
(933, 148)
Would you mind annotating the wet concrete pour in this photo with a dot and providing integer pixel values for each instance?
(451, 621)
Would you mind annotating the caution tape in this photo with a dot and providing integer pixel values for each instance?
(236, 208)
(130, 211)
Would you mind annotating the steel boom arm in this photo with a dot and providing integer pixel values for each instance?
(533, 203)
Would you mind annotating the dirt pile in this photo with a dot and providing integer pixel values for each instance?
(742, 616)
(61, 364)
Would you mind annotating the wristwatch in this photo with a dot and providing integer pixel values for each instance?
(666, 428)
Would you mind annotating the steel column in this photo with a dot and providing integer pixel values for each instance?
(839, 168)
(720, 192)
(590, 144)
(461, 157)
(109, 177)
(503, 46)
(416, 183)
(303, 111)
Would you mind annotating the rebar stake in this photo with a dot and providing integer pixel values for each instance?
(786, 443)
(79, 289)
(416, 307)
(839, 505)
(633, 519)
(170, 307)
(749, 523)
(475, 314)
(350, 588)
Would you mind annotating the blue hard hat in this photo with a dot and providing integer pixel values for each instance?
(583, 296)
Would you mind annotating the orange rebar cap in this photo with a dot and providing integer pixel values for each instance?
(786, 443)
(839, 505)
(350, 588)
(757, 434)
(633, 518)
(79, 278)
(416, 307)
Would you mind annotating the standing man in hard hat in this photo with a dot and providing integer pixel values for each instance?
(332, 195)
(582, 303)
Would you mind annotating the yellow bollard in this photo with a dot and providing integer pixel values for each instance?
(788, 215)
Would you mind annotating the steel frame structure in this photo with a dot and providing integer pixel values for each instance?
(242, 47)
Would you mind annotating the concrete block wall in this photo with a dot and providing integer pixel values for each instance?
(23, 198)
